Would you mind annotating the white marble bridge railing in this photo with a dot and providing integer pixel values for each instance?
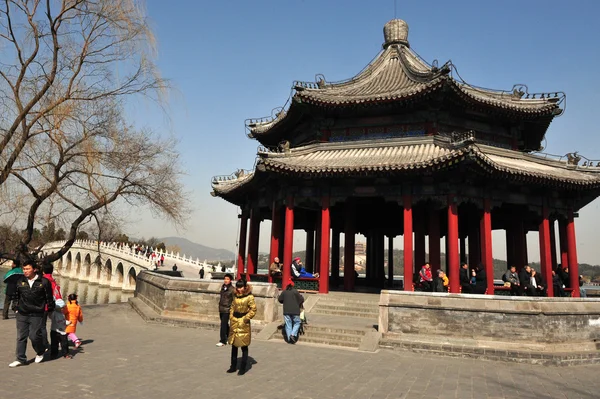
(112, 264)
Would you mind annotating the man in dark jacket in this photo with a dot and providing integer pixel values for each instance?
(11, 287)
(33, 297)
(224, 305)
(465, 280)
(292, 301)
(480, 280)
(525, 281)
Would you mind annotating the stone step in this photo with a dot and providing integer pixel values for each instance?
(353, 307)
(323, 341)
(350, 313)
(333, 336)
(333, 330)
(374, 302)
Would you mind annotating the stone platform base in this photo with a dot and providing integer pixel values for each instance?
(487, 350)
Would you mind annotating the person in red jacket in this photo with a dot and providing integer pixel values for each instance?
(425, 278)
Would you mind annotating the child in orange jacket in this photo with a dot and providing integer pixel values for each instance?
(74, 315)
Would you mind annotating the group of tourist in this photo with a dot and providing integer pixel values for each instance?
(297, 269)
(528, 282)
(36, 297)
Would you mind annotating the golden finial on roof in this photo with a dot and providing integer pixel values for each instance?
(395, 32)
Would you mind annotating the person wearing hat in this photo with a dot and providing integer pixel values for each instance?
(275, 268)
(296, 266)
(292, 301)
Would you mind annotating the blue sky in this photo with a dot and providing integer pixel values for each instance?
(233, 60)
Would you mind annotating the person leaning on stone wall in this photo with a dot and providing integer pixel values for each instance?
(225, 300)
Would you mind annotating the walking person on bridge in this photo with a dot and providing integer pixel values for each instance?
(224, 306)
(243, 309)
(33, 299)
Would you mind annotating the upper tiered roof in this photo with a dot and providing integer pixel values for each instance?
(398, 74)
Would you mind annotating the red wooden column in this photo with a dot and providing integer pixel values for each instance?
(275, 233)
(408, 243)
(562, 238)
(317, 257)
(242, 244)
(453, 261)
(349, 232)
(253, 243)
(434, 241)
(486, 244)
(572, 255)
(419, 250)
(390, 261)
(310, 250)
(545, 257)
(324, 256)
(553, 244)
(288, 241)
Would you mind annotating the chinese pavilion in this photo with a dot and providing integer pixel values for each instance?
(406, 148)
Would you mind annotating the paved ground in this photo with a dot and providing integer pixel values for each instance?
(126, 358)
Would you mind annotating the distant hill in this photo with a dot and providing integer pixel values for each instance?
(197, 250)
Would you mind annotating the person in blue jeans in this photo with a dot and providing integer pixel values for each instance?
(292, 301)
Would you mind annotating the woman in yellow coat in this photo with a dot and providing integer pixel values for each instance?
(243, 308)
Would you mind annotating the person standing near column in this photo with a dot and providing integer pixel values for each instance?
(33, 298)
(224, 306)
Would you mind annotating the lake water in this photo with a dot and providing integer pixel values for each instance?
(87, 294)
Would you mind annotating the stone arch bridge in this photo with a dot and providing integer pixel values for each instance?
(112, 264)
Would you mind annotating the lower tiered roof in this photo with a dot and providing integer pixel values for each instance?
(409, 156)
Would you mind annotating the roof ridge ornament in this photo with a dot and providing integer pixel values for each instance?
(395, 32)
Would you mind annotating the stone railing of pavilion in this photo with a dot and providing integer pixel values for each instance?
(190, 301)
(559, 331)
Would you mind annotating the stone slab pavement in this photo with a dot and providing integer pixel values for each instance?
(123, 358)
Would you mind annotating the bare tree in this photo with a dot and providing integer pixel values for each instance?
(67, 152)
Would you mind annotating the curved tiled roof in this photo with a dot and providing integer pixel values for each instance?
(395, 74)
(399, 74)
(328, 159)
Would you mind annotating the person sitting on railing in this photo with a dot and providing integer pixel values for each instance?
(425, 278)
(305, 274)
(295, 268)
(275, 268)
(511, 277)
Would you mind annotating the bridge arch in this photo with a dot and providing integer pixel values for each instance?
(106, 274)
(77, 269)
(118, 276)
(87, 266)
(69, 262)
(96, 271)
(131, 280)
